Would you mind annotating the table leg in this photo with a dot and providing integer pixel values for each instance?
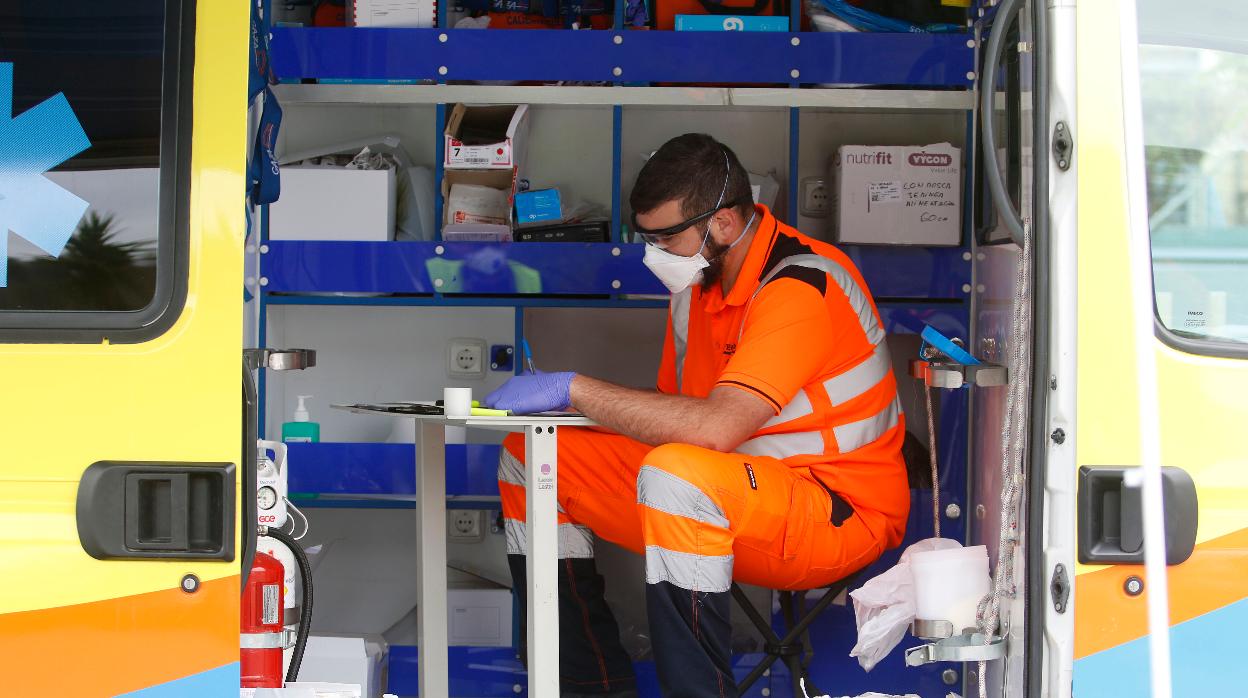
(542, 544)
(431, 547)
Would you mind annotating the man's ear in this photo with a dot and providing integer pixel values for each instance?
(725, 225)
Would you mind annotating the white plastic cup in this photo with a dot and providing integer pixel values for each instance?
(949, 584)
(457, 402)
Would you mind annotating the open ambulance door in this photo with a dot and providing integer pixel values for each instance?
(1161, 368)
(120, 337)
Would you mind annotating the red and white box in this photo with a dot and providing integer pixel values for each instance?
(486, 137)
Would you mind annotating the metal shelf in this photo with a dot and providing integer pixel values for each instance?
(855, 99)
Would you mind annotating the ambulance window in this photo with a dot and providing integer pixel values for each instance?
(89, 191)
(1194, 86)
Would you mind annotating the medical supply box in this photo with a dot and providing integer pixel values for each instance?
(731, 23)
(392, 13)
(898, 195)
(489, 136)
(538, 206)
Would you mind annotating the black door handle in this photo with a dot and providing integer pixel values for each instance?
(157, 510)
(1111, 516)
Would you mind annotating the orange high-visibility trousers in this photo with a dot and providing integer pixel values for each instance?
(702, 518)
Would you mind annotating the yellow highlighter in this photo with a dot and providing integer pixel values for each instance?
(484, 412)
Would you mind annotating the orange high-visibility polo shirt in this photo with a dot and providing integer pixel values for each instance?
(800, 331)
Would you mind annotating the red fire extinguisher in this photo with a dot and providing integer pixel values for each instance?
(260, 633)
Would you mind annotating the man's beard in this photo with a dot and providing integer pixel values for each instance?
(712, 274)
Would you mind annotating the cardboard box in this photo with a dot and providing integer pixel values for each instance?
(486, 137)
(392, 13)
(731, 23)
(898, 195)
(480, 197)
(348, 659)
(334, 203)
(538, 206)
(479, 617)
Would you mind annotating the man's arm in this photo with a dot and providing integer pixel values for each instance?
(721, 422)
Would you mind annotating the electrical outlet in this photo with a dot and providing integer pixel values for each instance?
(814, 200)
(467, 358)
(465, 525)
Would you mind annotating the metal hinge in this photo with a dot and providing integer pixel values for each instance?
(1063, 145)
(1060, 588)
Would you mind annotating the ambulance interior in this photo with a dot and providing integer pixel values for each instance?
(355, 486)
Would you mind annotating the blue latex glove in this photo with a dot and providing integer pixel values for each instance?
(532, 392)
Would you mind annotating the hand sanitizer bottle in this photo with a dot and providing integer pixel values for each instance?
(301, 429)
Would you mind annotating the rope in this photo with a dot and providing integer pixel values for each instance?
(1013, 445)
(931, 453)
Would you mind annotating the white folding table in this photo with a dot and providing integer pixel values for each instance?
(541, 541)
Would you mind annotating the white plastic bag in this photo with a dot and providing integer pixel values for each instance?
(869, 694)
(884, 606)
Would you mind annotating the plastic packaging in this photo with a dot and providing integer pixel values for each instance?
(949, 584)
(884, 606)
(865, 20)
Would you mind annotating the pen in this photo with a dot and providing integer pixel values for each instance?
(528, 354)
(483, 412)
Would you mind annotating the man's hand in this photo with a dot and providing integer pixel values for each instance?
(532, 392)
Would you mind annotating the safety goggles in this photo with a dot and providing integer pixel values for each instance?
(659, 235)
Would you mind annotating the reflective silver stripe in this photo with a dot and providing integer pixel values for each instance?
(517, 536)
(680, 329)
(798, 443)
(575, 541)
(661, 490)
(797, 408)
(857, 297)
(259, 641)
(510, 469)
(861, 378)
(855, 435)
(711, 573)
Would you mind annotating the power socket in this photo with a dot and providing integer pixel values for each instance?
(814, 201)
(465, 525)
(467, 358)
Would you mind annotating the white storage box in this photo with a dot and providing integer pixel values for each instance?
(333, 203)
(479, 617)
(486, 136)
(898, 195)
(347, 659)
(393, 13)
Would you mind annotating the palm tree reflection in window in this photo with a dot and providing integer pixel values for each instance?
(94, 272)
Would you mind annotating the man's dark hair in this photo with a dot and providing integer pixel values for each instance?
(690, 168)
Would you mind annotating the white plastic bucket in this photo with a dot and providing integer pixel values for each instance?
(949, 584)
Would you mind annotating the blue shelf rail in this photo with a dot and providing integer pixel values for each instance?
(362, 470)
(913, 60)
(534, 269)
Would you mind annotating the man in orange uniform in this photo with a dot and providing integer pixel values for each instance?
(770, 453)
